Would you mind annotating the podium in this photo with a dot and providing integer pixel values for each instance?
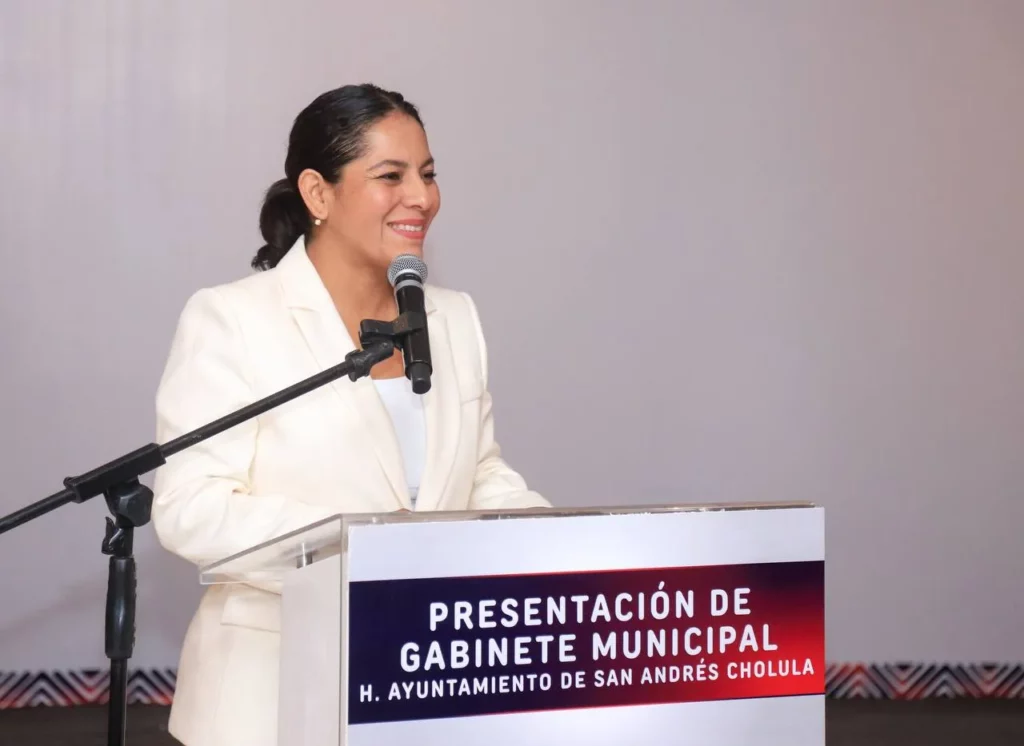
(699, 624)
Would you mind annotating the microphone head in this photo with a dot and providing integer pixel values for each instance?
(408, 267)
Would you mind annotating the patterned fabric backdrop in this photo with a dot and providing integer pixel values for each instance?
(842, 681)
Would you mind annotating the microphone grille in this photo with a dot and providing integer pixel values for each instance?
(404, 264)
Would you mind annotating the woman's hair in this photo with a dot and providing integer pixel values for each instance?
(325, 136)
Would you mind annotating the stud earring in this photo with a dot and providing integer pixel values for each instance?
(317, 221)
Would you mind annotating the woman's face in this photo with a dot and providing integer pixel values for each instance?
(384, 201)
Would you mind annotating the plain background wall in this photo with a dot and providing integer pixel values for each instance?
(723, 251)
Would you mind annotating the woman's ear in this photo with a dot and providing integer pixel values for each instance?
(316, 193)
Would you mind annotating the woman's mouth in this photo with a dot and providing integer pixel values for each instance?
(412, 229)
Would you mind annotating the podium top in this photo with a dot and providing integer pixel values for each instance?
(271, 560)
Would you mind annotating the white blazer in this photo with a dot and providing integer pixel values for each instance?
(330, 451)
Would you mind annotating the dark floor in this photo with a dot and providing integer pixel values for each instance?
(849, 723)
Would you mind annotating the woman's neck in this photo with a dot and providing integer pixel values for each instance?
(359, 291)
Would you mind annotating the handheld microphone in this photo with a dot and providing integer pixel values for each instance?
(407, 273)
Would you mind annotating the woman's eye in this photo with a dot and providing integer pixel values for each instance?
(430, 176)
(393, 176)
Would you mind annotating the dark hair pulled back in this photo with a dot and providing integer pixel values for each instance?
(326, 135)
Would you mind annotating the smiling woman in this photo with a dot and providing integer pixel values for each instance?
(359, 190)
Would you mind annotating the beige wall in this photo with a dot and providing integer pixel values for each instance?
(724, 251)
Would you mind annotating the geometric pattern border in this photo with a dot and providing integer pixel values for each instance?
(916, 681)
(895, 681)
(82, 687)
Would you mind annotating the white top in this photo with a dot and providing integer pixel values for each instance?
(406, 410)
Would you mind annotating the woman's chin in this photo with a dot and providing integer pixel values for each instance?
(416, 249)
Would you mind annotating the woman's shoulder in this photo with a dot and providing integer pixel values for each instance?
(457, 306)
(462, 320)
(448, 300)
(233, 297)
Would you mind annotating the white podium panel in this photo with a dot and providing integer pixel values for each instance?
(696, 624)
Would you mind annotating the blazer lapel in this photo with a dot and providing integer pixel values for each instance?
(327, 338)
(441, 411)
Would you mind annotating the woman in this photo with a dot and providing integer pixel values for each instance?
(359, 190)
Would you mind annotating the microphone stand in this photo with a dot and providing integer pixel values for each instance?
(130, 503)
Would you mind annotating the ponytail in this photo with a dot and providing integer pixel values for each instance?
(283, 220)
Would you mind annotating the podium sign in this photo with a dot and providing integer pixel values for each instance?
(621, 626)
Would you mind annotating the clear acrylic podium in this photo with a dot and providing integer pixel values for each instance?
(600, 626)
